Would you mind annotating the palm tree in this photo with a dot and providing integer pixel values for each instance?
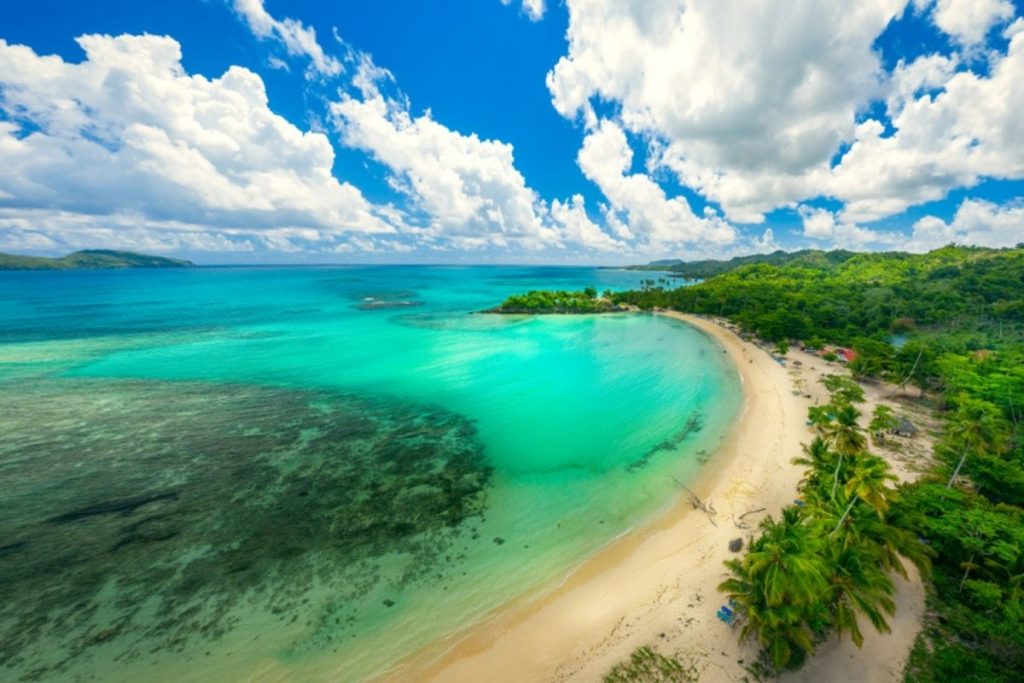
(882, 420)
(868, 483)
(819, 461)
(777, 585)
(892, 538)
(845, 436)
(977, 426)
(859, 584)
(1013, 569)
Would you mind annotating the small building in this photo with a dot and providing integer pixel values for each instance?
(904, 428)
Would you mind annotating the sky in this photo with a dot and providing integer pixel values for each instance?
(509, 131)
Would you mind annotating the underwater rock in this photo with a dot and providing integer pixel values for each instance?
(371, 301)
(370, 304)
(694, 424)
(125, 506)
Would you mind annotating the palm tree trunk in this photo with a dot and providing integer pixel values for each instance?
(903, 384)
(845, 513)
(956, 472)
(966, 572)
(835, 478)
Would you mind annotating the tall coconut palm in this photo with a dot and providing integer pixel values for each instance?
(819, 461)
(891, 538)
(869, 482)
(858, 585)
(845, 436)
(978, 427)
(778, 585)
(1011, 568)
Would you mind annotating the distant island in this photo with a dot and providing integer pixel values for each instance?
(90, 259)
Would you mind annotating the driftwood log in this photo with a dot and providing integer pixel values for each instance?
(741, 523)
(706, 507)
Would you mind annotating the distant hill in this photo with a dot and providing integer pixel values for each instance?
(90, 259)
(701, 270)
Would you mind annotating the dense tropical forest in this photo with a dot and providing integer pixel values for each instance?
(700, 270)
(90, 259)
(949, 323)
(541, 301)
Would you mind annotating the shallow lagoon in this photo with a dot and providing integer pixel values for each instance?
(291, 471)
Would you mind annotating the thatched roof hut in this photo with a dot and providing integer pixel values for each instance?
(904, 428)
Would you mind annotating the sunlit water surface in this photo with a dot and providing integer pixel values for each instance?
(299, 473)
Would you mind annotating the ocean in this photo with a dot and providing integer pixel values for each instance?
(305, 473)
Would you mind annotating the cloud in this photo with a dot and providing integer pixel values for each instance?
(467, 189)
(534, 9)
(577, 227)
(647, 213)
(969, 21)
(756, 109)
(752, 102)
(766, 243)
(58, 231)
(297, 39)
(127, 132)
(949, 128)
(977, 222)
(822, 224)
(127, 148)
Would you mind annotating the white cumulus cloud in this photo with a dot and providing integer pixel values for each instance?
(578, 228)
(752, 99)
(534, 9)
(468, 188)
(128, 133)
(648, 214)
(950, 128)
(977, 222)
(750, 104)
(969, 21)
(822, 224)
(297, 38)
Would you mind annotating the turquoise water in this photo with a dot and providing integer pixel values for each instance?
(310, 473)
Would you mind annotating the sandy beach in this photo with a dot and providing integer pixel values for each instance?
(657, 585)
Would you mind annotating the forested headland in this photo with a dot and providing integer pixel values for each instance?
(539, 302)
(90, 259)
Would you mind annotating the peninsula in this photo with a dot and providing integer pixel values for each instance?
(90, 259)
(541, 302)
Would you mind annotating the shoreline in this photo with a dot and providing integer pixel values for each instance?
(610, 603)
(656, 584)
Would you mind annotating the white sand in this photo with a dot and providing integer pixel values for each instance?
(657, 585)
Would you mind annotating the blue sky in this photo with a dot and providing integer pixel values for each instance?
(584, 131)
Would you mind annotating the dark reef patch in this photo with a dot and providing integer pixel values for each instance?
(694, 424)
(376, 300)
(144, 517)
